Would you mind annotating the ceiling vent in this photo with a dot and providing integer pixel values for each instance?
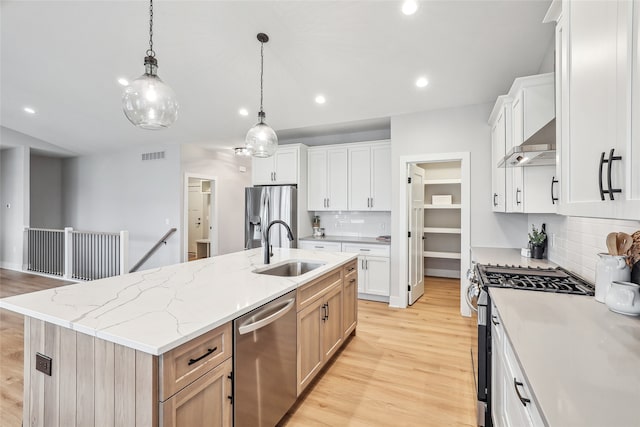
(158, 155)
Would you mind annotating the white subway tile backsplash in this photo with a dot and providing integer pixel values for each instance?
(579, 240)
(355, 224)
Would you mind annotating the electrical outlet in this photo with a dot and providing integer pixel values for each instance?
(43, 364)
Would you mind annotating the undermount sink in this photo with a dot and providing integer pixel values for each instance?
(290, 268)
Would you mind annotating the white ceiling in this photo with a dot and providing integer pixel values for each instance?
(63, 58)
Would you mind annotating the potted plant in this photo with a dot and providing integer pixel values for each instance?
(537, 241)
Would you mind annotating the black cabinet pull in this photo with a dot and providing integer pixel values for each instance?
(494, 199)
(352, 280)
(209, 351)
(523, 400)
(327, 310)
(494, 321)
(600, 176)
(608, 161)
(553, 199)
(325, 314)
(518, 191)
(351, 269)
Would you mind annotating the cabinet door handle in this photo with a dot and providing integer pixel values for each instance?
(327, 310)
(553, 199)
(325, 314)
(368, 202)
(274, 176)
(209, 351)
(362, 263)
(523, 400)
(494, 321)
(600, 176)
(495, 195)
(328, 202)
(518, 191)
(366, 264)
(372, 202)
(609, 167)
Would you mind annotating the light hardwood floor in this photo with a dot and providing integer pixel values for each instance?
(403, 368)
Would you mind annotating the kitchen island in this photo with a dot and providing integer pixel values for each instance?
(109, 340)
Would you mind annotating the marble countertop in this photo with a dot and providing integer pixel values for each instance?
(581, 360)
(156, 310)
(509, 256)
(346, 239)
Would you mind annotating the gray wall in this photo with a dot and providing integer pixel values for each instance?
(14, 205)
(118, 191)
(224, 166)
(462, 129)
(46, 192)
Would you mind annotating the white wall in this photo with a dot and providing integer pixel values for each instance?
(231, 182)
(547, 64)
(118, 191)
(14, 205)
(45, 192)
(462, 129)
(10, 138)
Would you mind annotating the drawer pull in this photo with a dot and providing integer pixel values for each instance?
(352, 280)
(364, 250)
(209, 351)
(524, 400)
(319, 247)
(351, 269)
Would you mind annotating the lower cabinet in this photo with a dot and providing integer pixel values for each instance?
(512, 404)
(206, 401)
(373, 270)
(327, 314)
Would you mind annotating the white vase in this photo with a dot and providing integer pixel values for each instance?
(608, 269)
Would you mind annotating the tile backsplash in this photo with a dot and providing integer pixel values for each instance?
(577, 241)
(355, 224)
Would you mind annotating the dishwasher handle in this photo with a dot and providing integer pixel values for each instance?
(245, 329)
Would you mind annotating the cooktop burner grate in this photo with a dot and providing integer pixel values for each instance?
(534, 279)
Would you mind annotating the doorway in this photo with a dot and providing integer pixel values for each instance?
(200, 217)
(435, 215)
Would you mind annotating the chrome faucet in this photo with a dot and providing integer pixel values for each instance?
(267, 247)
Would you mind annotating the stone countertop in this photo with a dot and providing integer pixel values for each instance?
(581, 360)
(157, 310)
(508, 256)
(346, 239)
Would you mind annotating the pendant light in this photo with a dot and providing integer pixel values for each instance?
(261, 140)
(148, 102)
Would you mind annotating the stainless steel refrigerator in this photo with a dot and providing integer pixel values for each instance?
(263, 205)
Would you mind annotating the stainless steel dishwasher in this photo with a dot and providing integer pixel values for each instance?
(264, 363)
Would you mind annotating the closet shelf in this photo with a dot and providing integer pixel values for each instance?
(451, 206)
(447, 255)
(442, 181)
(443, 230)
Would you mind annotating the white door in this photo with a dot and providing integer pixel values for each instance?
(498, 141)
(317, 179)
(377, 275)
(195, 216)
(359, 179)
(381, 177)
(416, 228)
(336, 179)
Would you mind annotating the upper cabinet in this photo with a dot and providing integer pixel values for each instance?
(281, 168)
(369, 177)
(597, 53)
(327, 167)
(527, 108)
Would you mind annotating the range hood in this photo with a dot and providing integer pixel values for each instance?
(538, 150)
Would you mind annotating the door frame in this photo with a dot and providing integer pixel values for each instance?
(213, 222)
(465, 218)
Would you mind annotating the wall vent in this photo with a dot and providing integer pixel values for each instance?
(158, 155)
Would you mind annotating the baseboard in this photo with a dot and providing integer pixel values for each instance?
(11, 266)
(370, 297)
(441, 272)
(398, 302)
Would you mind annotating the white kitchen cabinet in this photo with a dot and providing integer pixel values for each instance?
(320, 245)
(373, 270)
(513, 403)
(369, 177)
(597, 62)
(279, 169)
(327, 179)
(498, 147)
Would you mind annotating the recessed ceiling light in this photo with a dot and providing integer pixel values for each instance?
(409, 7)
(29, 110)
(123, 81)
(422, 82)
(320, 99)
(243, 112)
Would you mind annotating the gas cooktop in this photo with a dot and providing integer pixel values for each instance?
(533, 278)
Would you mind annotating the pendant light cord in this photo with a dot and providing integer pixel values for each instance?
(261, 71)
(150, 51)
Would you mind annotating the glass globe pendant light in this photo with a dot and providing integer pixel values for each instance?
(261, 140)
(148, 102)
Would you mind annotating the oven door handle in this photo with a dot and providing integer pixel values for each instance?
(468, 298)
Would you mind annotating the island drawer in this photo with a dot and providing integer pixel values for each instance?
(184, 364)
(311, 291)
(350, 268)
